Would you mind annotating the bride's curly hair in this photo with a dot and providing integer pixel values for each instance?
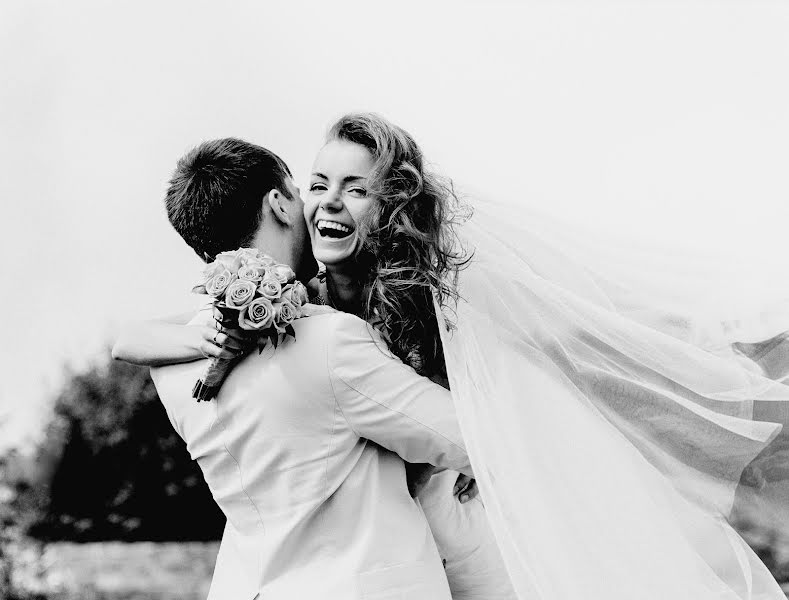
(410, 250)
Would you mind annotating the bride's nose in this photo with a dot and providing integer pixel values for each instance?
(331, 200)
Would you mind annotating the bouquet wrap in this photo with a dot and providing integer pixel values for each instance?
(217, 369)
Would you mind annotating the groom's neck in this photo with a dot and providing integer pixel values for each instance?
(276, 244)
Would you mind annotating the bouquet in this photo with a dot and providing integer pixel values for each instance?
(260, 294)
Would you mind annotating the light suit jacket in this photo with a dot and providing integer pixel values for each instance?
(300, 450)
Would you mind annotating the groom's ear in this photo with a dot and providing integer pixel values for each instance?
(278, 204)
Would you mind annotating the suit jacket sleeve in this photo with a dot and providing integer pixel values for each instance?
(385, 401)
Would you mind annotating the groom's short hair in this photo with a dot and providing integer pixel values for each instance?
(214, 199)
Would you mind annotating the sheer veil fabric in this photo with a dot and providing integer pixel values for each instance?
(607, 415)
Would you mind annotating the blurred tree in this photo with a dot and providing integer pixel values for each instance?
(113, 468)
(19, 557)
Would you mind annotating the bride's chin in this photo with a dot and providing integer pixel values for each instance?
(335, 255)
(334, 261)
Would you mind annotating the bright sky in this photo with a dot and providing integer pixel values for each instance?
(665, 120)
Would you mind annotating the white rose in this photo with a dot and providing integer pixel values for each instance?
(284, 314)
(217, 284)
(230, 260)
(299, 294)
(248, 255)
(240, 293)
(270, 288)
(211, 270)
(283, 273)
(257, 315)
(254, 270)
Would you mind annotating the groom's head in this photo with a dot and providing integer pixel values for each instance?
(228, 193)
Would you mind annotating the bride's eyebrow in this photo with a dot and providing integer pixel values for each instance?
(346, 179)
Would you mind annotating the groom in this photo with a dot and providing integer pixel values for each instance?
(303, 448)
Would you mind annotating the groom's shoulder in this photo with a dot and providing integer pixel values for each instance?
(352, 342)
(342, 333)
(329, 322)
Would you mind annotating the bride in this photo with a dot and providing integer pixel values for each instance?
(609, 419)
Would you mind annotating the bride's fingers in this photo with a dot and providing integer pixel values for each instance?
(224, 320)
(470, 492)
(460, 484)
(465, 488)
(223, 341)
(230, 328)
(209, 350)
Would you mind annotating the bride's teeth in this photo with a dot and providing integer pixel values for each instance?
(333, 225)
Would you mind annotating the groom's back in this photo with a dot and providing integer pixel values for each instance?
(313, 510)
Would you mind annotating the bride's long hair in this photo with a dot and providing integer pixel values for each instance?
(410, 251)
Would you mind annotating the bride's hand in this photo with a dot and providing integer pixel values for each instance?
(224, 339)
(220, 343)
(465, 488)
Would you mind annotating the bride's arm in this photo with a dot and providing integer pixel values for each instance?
(170, 340)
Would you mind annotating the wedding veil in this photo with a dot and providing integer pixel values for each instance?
(609, 419)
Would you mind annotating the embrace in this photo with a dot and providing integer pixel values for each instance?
(465, 409)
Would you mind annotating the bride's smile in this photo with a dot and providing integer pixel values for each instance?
(333, 229)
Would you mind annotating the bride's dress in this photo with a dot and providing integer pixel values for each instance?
(608, 417)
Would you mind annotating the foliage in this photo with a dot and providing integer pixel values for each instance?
(113, 467)
(19, 557)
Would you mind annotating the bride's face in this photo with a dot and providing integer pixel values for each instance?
(337, 199)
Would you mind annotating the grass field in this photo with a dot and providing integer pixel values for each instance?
(122, 571)
(136, 571)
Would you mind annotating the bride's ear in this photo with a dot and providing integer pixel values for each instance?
(278, 204)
